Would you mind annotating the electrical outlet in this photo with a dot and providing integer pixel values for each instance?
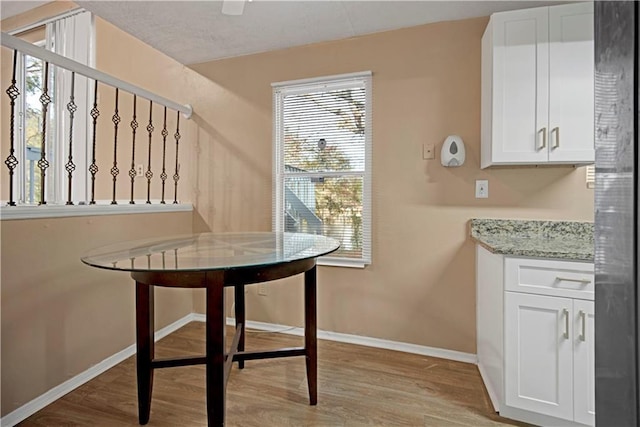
(428, 151)
(482, 189)
(262, 289)
(139, 170)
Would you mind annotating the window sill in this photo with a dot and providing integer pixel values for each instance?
(343, 262)
(8, 213)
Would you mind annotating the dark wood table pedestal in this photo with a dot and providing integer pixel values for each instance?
(218, 361)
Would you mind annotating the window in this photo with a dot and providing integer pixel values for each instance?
(322, 162)
(71, 36)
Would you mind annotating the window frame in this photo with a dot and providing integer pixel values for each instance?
(328, 83)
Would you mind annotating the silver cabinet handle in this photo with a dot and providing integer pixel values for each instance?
(566, 323)
(543, 131)
(583, 318)
(569, 279)
(556, 142)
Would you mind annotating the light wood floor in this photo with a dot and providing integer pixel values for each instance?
(358, 386)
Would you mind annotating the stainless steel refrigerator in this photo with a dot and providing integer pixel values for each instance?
(617, 89)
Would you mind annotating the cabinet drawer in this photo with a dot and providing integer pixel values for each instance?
(549, 277)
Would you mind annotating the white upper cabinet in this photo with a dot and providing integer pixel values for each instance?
(537, 87)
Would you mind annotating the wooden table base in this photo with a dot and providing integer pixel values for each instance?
(218, 361)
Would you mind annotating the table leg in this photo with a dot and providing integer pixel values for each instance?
(145, 349)
(310, 338)
(215, 350)
(240, 318)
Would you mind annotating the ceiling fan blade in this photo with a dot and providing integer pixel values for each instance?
(232, 7)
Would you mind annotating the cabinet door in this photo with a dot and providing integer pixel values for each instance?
(539, 354)
(571, 83)
(520, 86)
(584, 362)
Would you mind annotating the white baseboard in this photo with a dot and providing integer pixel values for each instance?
(30, 408)
(359, 340)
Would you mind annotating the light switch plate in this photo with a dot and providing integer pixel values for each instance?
(428, 151)
(482, 189)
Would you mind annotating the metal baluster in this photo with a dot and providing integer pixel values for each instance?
(132, 171)
(93, 168)
(148, 174)
(71, 107)
(114, 170)
(165, 133)
(176, 175)
(43, 163)
(11, 161)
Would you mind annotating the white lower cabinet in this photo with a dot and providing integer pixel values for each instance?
(538, 354)
(536, 348)
(549, 356)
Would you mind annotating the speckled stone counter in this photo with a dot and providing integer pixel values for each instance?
(569, 240)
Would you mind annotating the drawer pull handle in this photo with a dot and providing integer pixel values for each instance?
(583, 317)
(566, 323)
(569, 279)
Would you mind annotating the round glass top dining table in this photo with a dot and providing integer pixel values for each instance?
(215, 261)
(210, 251)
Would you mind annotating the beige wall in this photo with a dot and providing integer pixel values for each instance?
(426, 85)
(60, 317)
(222, 172)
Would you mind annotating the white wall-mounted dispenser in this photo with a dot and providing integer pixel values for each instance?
(453, 152)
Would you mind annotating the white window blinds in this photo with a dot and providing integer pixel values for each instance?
(322, 162)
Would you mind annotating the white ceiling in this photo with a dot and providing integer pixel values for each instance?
(12, 8)
(196, 31)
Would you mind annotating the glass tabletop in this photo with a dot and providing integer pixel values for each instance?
(210, 251)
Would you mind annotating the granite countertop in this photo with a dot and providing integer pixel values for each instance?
(570, 240)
